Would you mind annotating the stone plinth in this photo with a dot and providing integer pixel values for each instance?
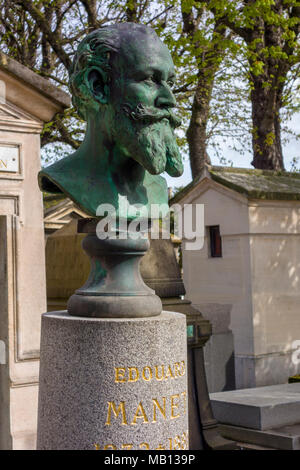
(259, 408)
(113, 383)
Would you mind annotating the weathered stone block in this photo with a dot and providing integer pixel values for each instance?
(258, 408)
(113, 383)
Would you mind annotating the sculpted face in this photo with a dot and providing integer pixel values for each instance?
(141, 102)
(121, 81)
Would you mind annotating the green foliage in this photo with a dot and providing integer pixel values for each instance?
(222, 50)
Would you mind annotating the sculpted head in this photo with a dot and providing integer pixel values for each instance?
(121, 79)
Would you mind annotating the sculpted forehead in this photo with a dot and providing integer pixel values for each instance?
(140, 51)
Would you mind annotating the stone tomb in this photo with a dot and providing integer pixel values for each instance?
(266, 416)
(246, 278)
(27, 101)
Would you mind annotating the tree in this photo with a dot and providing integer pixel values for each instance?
(201, 46)
(270, 30)
(206, 41)
(196, 43)
(44, 34)
(206, 38)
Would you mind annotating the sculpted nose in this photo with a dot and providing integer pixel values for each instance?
(165, 98)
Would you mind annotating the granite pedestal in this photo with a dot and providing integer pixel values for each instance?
(113, 383)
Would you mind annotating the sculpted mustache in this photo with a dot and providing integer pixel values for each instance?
(150, 114)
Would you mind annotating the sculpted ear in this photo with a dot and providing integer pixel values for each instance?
(97, 85)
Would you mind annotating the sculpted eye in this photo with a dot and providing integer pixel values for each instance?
(152, 78)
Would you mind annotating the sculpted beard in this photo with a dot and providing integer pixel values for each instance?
(147, 134)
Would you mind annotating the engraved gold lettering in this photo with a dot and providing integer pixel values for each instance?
(140, 414)
(177, 443)
(109, 446)
(144, 445)
(169, 373)
(147, 373)
(119, 377)
(174, 406)
(112, 408)
(147, 377)
(133, 374)
(184, 402)
(162, 409)
(160, 447)
(177, 367)
(162, 373)
(3, 163)
(127, 446)
(184, 440)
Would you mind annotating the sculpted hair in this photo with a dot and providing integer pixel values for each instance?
(96, 52)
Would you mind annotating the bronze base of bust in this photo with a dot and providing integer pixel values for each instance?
(114, 288)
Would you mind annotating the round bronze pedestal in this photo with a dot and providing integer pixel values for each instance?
(115, 288)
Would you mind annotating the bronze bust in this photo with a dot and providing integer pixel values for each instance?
(121, 82)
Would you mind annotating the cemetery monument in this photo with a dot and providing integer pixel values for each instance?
(113, 366)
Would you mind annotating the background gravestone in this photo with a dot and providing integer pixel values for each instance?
(27, 101)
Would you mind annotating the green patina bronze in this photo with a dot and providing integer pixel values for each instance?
(121, 82)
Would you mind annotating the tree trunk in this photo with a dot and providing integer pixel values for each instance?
(266, 139)
(197, 131)
(131, 12)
